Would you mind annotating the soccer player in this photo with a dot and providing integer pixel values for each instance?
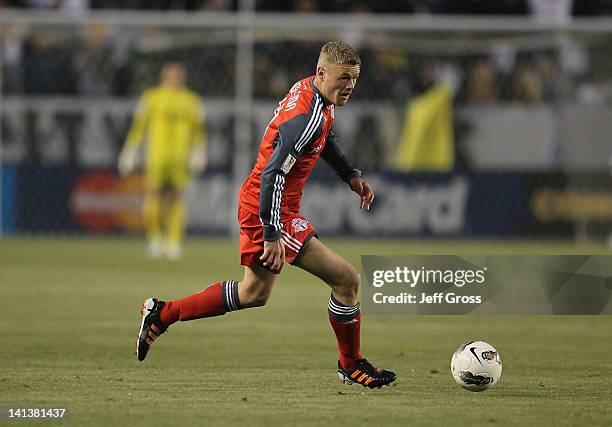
(273, 232)
(171, 118)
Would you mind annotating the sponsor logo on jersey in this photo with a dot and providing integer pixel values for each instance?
(292, 101)
(299, 224)
(316, 149)
(294, 93)
(295, 87)
(288, 164)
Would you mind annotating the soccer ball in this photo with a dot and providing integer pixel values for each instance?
(476, 366)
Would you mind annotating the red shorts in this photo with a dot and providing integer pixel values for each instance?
(296, 232)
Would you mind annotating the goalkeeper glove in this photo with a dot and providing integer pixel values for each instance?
(127, 160)
(197, 160)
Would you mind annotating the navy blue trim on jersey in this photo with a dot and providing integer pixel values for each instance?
(335, 157)
(294, 136)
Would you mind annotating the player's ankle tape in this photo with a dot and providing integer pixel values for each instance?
(341, 312)
(229, 292)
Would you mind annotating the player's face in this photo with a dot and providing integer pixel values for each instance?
(173, 75)
(338, 82)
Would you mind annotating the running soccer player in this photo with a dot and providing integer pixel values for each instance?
(273, 232)
(171, 118)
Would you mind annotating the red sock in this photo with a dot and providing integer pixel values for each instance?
(347, 334)
(215, 300)
(346, 322)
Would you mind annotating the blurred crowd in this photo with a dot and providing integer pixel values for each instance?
(483, 68)
(99, 61)
(527, 77)
(516, 7)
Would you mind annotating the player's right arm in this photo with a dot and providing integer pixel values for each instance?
(127, 157)
(198, 159)
(295, 132)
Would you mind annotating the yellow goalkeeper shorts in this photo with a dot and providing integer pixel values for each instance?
(162, 175)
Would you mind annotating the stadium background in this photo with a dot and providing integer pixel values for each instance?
(529, 173)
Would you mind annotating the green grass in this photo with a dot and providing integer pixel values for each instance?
(69, 315)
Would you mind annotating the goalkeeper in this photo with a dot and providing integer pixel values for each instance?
(170, 117)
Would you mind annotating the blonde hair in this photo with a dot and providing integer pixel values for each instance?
(337, 52)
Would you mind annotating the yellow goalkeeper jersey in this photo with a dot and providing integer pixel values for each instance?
(172, 121)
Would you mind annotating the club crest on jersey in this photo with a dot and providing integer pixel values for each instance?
(288, 164)
(299, 224)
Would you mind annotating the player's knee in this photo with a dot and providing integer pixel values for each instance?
(254, 296)
(349, 282)
(354, 280)
(259, 299)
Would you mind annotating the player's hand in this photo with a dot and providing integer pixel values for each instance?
(362, 188)
(273, 255)
(198, 160)
(127, 160)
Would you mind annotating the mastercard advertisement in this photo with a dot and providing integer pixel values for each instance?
(101, 202)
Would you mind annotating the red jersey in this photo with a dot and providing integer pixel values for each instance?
(299, 132)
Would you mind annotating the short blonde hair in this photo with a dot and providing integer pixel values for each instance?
(338, 52)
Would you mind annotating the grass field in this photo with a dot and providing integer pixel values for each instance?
(70, 312)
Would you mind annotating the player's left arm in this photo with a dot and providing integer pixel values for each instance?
(335, 157)
(142, 116)
(198, 160)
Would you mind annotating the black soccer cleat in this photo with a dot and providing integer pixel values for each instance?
(150, 328)
(367, 375)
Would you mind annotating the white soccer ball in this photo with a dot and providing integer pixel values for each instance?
(476, 366)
